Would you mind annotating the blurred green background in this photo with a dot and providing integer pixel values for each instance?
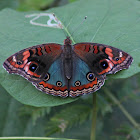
(72, 120)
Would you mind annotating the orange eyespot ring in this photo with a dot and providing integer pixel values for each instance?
(33, 67)
(30, 68)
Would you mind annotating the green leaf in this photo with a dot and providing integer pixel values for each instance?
(9, 3)
(26, 5)
(115, 23)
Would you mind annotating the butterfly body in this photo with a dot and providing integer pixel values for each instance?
(68, 70)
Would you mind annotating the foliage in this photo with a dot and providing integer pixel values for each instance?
(68, 117)
(62, 120)
(110, 22)
(9, 3)
(27, 5)
(14, 38)
(34, 112)
(74, 119)
(126, 132)
(72, 1)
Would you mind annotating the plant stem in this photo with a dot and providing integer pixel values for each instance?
(32, 138)
(65, 29)
(94, 115)
(128, 116)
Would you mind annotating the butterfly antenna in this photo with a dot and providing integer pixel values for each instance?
(79, 25)
(60, 24)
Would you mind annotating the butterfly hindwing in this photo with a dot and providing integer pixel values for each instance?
(83, 81)
(55, 82)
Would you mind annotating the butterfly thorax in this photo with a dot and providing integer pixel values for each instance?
(67, 41)
(67, 60)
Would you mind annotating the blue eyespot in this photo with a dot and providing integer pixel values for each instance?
(19, 62)
(104, 64)
(117, 59)
(33, 67)
(47, 77)
(90, 76)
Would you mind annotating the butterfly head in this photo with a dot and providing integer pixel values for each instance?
(67, 41)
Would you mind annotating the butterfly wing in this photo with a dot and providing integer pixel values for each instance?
(83, 81)
(55, 83)
(42, 65)
(91, 63)
(33, 63)
(103, 59)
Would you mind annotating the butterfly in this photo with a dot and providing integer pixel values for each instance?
(68, 70)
